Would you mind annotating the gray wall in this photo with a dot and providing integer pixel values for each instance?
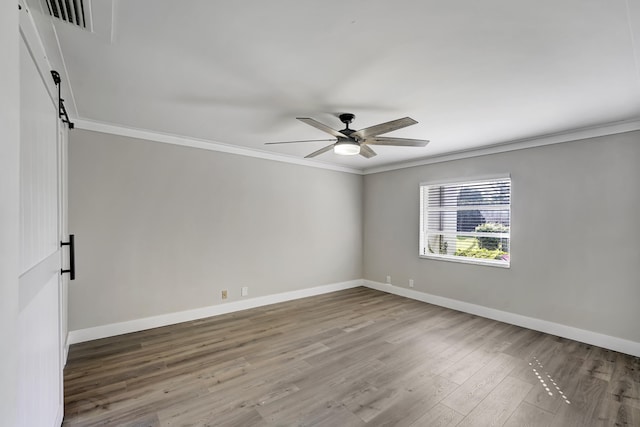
(575, 249)
(9, 207)
(162, 228)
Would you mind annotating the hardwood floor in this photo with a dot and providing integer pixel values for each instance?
(351, 358)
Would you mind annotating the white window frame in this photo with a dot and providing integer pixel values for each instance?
(423, 253)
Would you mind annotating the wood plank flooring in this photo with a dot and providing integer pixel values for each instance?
(350, 358)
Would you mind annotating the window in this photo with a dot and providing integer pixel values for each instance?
(466, 221)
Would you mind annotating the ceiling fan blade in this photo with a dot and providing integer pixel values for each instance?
(320, 151)
(295, 142)
(383, 128)
(367, 151)
(316, 124)
(398, 142)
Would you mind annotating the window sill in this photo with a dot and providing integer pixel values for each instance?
(462, 260)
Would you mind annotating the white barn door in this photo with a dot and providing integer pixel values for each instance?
(41, 328)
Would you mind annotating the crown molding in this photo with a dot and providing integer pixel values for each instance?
(203, 144)
(521, 144)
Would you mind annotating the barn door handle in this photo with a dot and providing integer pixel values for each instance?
(72, 257)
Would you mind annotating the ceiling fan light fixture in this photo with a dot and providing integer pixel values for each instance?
(346, 148)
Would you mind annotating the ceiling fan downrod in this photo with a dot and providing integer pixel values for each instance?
(346, 118)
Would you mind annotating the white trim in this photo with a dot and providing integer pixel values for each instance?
(33, 41)
(468, 260)
(589, 337)
(468, 233)
(204, 144)
(31, 34)
(136, 325)
(467, 179)
(521, 144)
(458, 208)
(65, 352)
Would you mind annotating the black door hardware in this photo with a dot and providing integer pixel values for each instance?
(72, 257)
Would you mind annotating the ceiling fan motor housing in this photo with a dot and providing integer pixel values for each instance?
(347, 118)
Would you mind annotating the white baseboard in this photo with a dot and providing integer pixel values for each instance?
(65, 352)
(113, 329)
(589, 337)
(593, 338)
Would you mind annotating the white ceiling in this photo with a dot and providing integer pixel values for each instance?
(472, 73)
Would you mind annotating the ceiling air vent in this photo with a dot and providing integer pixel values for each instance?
(71, 11)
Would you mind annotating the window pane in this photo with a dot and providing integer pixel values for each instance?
(497, 192)
(442, 221)
(460, 245)
(466, 220)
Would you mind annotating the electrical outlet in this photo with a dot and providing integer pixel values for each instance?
(244, 291)
(224, 294)
(411, 283)
(389, 279)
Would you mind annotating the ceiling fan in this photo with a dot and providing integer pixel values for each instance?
(349, 142)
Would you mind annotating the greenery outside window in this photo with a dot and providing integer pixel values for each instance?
(466, 221)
